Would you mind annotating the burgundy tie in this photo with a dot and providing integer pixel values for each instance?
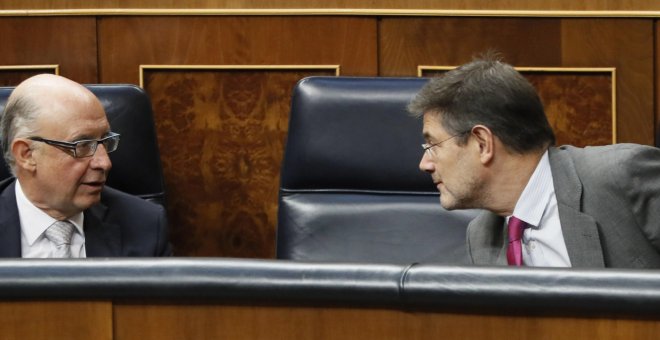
(514, 250)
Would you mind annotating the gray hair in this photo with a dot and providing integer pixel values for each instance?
(489, 92)
(18, 120)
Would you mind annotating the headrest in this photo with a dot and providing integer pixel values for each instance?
(354, 134)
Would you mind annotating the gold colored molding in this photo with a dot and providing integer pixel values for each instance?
(54, 68)
(335, 68)
(610, 70)
(331, 11)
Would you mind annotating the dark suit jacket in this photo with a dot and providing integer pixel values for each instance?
(609, 209)
(118, 226)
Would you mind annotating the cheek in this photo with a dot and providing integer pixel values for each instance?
(67, 173)
(445, 165)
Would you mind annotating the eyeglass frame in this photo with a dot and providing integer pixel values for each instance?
(427, 147)
(73, 145)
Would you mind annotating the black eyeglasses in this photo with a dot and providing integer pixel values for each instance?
(429, 147)
(86, 147)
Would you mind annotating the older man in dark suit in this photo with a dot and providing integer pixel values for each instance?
(56, 138)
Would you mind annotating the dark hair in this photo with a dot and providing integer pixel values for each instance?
(489, 92)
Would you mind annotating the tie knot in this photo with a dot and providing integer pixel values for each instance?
(516, 228)
(60, 233)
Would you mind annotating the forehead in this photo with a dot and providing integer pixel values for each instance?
(72, 116)
(433, 128)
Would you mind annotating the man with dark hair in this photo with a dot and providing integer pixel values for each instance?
(489, 146)
(55, 139)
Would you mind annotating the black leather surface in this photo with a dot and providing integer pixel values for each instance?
(534, 290)
(370, 227)
(351, 189)
(354, 134)
(136, 167)
(444, 288)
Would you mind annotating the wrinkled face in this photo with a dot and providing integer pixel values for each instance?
(64, 184)
(454, 168)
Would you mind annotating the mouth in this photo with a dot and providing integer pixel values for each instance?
(94, 184)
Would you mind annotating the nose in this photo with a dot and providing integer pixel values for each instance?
(101, 160)
(426, 164)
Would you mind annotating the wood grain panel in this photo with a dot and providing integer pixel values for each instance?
(39, 320)
(579, 107)
(221, 135)
(408, 4)
(127, 42)
(406, 43)
(625, 44)
(657, 84)
(208, 321)
(66, 41)
(579, 104)
(14, 75)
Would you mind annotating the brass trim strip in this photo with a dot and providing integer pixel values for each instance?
(332, 11)
(336, 68)
(611, 70)
(55, 68)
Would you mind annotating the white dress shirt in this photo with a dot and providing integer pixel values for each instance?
(34, 223)
(543, 242)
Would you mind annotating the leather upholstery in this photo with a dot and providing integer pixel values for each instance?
(351, 189)
(551, 291)
(136, 167)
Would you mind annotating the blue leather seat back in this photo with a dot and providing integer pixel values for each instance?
(136, 166)
(351, 189)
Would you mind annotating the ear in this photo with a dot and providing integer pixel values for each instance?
(23, 154)
(485, 140)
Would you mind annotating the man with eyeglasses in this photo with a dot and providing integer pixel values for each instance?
(489, 146)
(56, 139)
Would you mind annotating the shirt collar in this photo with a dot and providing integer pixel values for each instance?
(35, 221)
(537, 194)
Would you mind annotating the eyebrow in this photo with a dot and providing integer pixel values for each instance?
(426, 135)
(88, 137)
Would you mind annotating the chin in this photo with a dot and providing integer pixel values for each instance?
(450, 203)
(447, 205)
(87, 202)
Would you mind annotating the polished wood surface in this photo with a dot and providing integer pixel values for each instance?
(222, 132)
(69, 42)
(387, 4)
(578, 106)
(26, 320)
(125, 43)
(625, 44)
(205, 321)
(13, 77)
(657, 85)
(164, 320)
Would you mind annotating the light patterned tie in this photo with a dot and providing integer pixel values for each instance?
(514, 250)
(60, 234)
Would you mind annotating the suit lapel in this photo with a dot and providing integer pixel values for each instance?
(487, 239)
(10, 224)
(580, 230)
(101, 239)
